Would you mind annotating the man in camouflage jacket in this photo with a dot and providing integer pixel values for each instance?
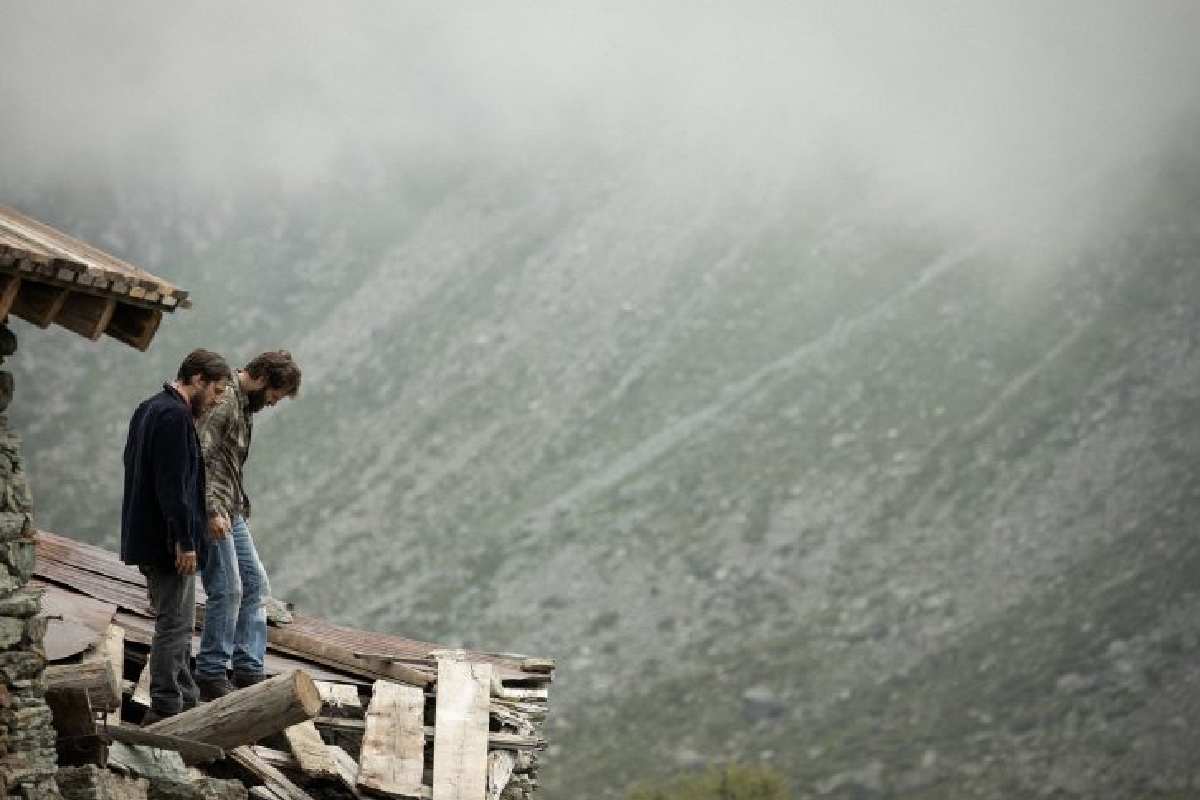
(235, 620)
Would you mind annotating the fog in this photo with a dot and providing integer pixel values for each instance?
(1015, 118)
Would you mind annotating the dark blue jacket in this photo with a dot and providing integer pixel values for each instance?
(164, 483)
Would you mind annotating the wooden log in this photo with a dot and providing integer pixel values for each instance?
(111, 650)
(272, 778)
(247, 715)
(193, 752)
(310, 751)
(95, 677)
(393, 746)
(460, 765)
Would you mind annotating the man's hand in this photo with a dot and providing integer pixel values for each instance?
(185, 561)
(218, 526)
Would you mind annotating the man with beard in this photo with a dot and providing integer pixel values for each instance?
(163, 519)
(235, 616)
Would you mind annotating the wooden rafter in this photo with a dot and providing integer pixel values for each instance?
(86, 314)
(38, 303)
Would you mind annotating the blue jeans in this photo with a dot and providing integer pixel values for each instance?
(235, 616)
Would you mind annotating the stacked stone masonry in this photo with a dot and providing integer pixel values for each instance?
(28, 762)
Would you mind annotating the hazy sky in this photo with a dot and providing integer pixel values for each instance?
(1005, 114)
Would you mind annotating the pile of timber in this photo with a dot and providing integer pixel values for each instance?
(330, 722)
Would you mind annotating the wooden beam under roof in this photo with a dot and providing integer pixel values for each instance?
(10, 285)
(38, 303)
(87, 315)
(133, 325)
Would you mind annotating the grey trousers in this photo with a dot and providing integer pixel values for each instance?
(173, 599)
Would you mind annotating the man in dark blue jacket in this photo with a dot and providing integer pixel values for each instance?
(164, 519)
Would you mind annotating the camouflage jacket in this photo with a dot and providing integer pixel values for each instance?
(225, 440)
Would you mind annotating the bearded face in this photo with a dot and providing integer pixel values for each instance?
(256, 400)
(199, 404)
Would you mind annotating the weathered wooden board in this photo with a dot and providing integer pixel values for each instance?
(111, 650)
(275, 780)
(460, 761)
(500, 768)
(393, 746)
(76, 622)
(141, 692)
(340, 699)
(314, 760)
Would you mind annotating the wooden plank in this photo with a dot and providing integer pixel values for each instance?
(76, 622)
(340, 699)
(10, 285)
(497, 740)
(86, 314)
(500, 768)
(310, 751)
(38, 303)
(279, 759)
(541, 665)
(112, 652)
(460, 740)
(290, 639)
(393, 747)
(141, 692)
(275, 780)
(133, 325)
(346, 767)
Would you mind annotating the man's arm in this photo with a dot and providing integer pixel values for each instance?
(213, 430)
(170, 453)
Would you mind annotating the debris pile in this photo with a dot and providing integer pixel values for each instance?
(345, 714)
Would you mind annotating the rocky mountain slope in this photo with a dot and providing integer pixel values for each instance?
(785, 472)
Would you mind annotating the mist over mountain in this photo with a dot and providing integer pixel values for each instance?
(817, 385)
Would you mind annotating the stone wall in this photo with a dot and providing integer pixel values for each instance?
(27, 757)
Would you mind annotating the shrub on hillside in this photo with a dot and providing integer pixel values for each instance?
(732, 782)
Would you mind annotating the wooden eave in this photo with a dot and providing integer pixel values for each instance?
(47, 277)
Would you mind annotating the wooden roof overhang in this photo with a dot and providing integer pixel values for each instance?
(47, 277)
